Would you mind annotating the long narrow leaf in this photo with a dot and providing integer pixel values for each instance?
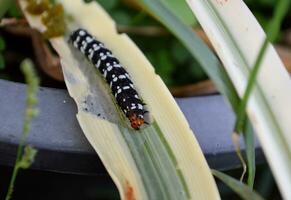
(249, 141)
(153, 163)
(241, 189)
(207, 61)
(272, 32)
(237, 38)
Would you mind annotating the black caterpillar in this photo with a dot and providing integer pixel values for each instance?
(115, 75)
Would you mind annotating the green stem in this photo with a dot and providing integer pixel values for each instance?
(240, 125)
(251, 82)
(32, 86)
(250, 153)
(15, 171)
(272, 32)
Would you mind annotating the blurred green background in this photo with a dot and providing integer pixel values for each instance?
(171, 60)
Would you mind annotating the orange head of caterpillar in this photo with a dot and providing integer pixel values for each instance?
(136, 121)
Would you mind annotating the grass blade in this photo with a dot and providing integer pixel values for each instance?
(249, 139)
(182, 11)
(272, 32)
(241, 189)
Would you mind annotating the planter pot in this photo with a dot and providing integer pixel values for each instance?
(63, 147)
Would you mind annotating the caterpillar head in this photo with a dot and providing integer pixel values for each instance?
(136, 121)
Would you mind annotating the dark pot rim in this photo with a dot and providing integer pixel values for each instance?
(63, 147)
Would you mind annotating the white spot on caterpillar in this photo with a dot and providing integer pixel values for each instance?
(83, 47)
(91, 54)
(140, 106)
(117, 65)
(118, 92)
(76, 42)
(105, 73)
(96, 47)
(109, 68)
(103, 57)
(126, 87)
(82, 33)
(89, 39)
(98, 63)
(121, 76)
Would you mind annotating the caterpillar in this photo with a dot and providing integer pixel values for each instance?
(115, 75)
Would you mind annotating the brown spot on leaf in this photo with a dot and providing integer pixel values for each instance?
(129, 193)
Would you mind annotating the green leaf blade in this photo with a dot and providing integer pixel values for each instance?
(238, 43)
(197, 48)
(182, 11)
(241, 189)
